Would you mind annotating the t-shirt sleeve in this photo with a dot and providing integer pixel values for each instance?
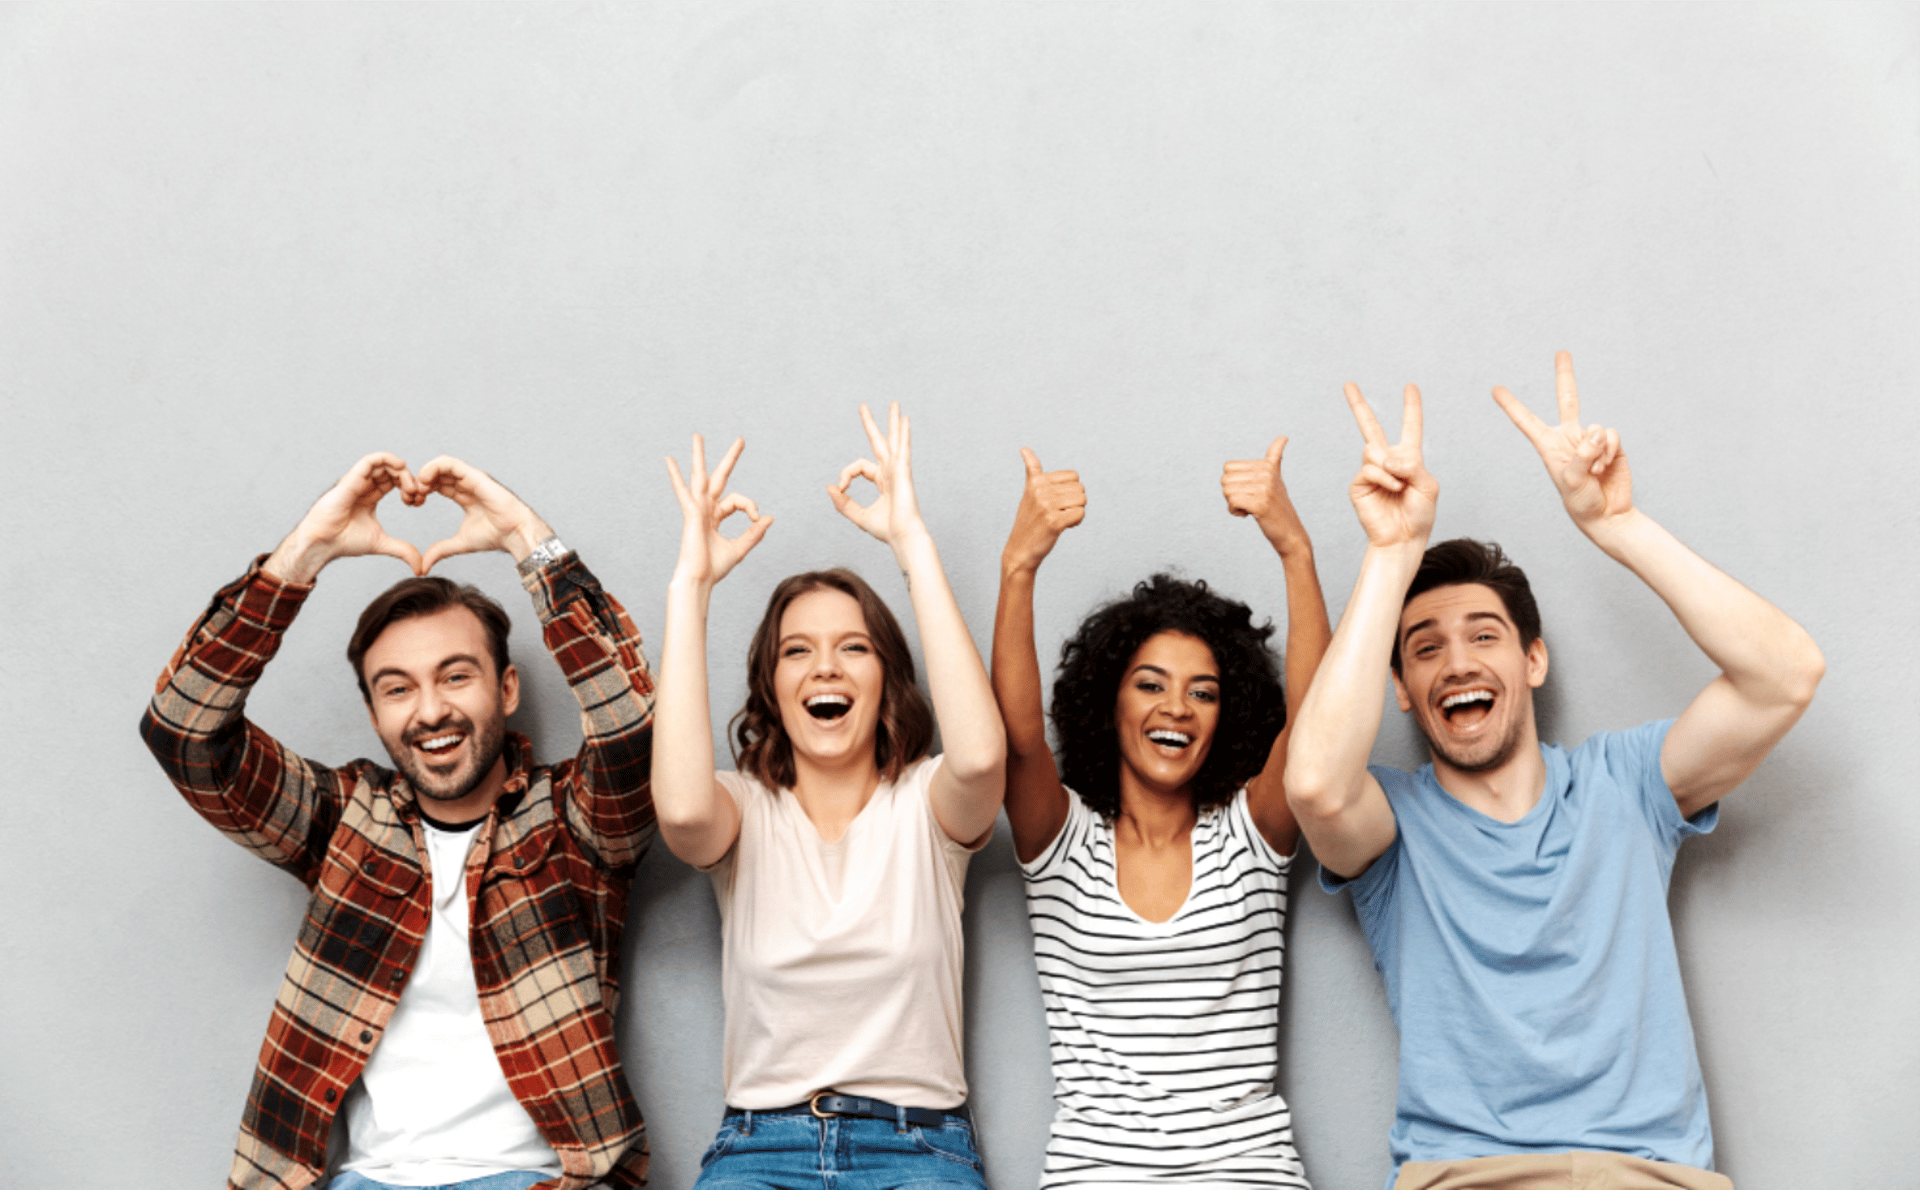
(1066, 840)
(1633, 759)
(1264, 857)
(1373, 889)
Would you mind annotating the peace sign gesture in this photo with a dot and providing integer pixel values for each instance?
(705, 554)
(1587, 466)
(1393, 494)
(895, 514)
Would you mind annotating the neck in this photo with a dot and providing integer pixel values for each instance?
(833, 793)
(1505, 793)
(1157, 817)
(475, 804)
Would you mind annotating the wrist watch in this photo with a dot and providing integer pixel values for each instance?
(546, 553)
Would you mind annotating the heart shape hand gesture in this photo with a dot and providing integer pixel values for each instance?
(344, 523)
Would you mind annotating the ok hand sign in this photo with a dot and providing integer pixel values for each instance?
(1393, 493)
(1587, 466)
(705, 555)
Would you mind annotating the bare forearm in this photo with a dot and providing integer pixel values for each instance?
(970, 729)
(1016, 665)
(1765, 655)
(1308, 630)
(1340, 715)
(693, 822)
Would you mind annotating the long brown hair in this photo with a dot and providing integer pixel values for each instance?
(905, 730)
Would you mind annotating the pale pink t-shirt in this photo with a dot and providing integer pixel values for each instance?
(841, 962)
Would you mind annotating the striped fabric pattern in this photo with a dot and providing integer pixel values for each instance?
(1165, 1036)
(560, 851)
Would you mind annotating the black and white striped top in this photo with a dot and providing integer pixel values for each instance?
(1165, 1037)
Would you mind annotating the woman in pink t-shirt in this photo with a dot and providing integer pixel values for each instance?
(838, 850)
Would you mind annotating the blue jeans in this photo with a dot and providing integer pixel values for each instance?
(798, 1151)
(518, 1180)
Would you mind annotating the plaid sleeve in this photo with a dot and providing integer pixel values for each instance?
(605, 793)
(262, 796)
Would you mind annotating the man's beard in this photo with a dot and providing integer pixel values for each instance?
(484, 746)
(1466, 762)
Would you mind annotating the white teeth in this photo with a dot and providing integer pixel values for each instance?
(1174, 739)
(1465, 697)
(823, 700)
(440, 741)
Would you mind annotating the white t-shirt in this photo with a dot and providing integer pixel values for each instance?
(1165, 1035)
(433, 1105)
(841, 962)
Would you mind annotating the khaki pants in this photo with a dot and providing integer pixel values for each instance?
(1578, 1170)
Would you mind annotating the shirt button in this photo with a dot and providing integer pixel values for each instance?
(329, 1095)
(366, 1035)
(519, 861)
(397, 976)
(372, 867)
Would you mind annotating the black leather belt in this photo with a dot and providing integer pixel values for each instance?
(828, 1104)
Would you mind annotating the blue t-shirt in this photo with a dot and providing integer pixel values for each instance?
(1530, 965)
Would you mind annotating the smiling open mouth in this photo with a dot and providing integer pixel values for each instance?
(1467, 708)
(1170, 739)
(829, 706)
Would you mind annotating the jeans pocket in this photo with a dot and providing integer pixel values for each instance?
(721, 1146)
(953, 1141)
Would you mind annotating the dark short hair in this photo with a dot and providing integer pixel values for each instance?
(1253, 707)
(1464, 561)
(424, 597)
(905, 731)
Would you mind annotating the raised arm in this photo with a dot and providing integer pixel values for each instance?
(1253, 488)
(968, 788)
(1341, 807)
(1052, 503)
(603, 791)
(1768, 664)
(699, 819)
(257, 792)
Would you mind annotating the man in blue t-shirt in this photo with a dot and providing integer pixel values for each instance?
(1514, 894)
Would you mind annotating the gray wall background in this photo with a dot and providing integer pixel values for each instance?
(242, 245)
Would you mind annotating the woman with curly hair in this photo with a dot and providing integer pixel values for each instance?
(1156, 852)
(839, 849)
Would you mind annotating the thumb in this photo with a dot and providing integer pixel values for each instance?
(440, 551)
(1278, 448)
(1032, 460)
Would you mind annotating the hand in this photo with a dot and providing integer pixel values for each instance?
(496, 518)
(895, 514)
(1253, 487)
(1053, 502)
(705, 555)
(1393, 493)
(342, 524)
(1587, 466)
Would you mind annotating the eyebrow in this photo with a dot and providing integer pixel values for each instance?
(1163, 673)
(373, 679)
(1433, 621)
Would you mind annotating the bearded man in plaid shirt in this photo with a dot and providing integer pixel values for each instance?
(452, 989)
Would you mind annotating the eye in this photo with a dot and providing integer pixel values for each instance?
(1206, 694)
(793, 651)
(458, 679)
(393, 691)
(857, 647)
(1147, 685)
(1425, 650)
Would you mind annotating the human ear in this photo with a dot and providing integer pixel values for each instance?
(509, 691)
(1400, 692)
(1537, 663)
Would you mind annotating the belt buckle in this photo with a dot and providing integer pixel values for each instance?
(813, 1105)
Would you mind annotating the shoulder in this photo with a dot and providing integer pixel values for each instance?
(1075, 835)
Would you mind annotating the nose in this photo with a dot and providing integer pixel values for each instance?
(432, 706)
(826, 663)
(1458, 660)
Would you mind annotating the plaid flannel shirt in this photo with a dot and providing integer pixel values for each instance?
(546, 884)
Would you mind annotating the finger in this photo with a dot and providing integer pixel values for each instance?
(1520, 415)
(754, 532)
(1379, 477)
(1277, 448)
(699, 477)
(844, 504)
(874, 439)
(1031, 460)
(735, 502)
(393, 547)
(1363, 414)
(679, 485)
(859, 469)
(717, 482)
(442, 472)
(1612, 452)
(1411, 421)
(1563, 388)
(901, 439)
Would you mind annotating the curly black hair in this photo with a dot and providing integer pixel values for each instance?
(1253, 707)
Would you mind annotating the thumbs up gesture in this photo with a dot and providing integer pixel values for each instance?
(1053, 502)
